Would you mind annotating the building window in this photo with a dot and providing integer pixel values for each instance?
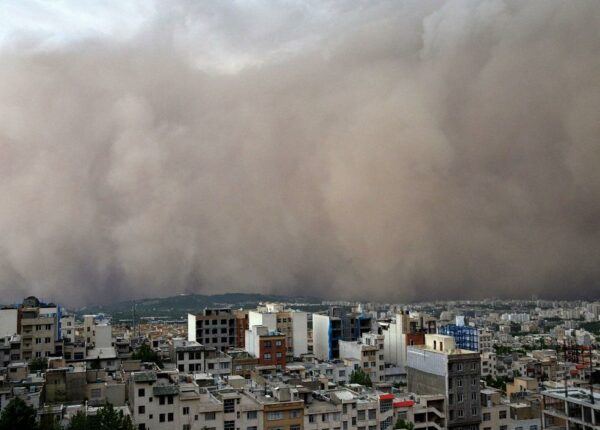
(267, 356)
(229, 405)
(295, 427)
(229, 425)
(141, 392)
(161, 400)
(294, 414)
(324, 417)
(161, 418)
(170, 416)
(502, 415)
(459, 367)
(170, 400)
(251, 415)
(141, 409)
(460, 397)
(460, 413)
(459, 382)
(311, 419)
(474, 411)
(277, 343)
(272, 416)
(186, 411)
(209, 416)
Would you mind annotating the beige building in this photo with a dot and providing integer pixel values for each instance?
(38, 333)
(495, 412)
(521, 386)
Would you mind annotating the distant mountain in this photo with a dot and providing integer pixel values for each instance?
(182, 304)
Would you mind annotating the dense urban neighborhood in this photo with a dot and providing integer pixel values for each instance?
(463, 365)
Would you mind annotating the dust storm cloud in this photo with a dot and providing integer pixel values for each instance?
(389, 150)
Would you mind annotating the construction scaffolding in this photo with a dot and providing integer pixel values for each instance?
(465, 337)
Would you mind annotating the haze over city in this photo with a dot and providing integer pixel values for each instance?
(380, 150)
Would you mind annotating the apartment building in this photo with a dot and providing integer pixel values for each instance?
(336, 325)
(337, 372)
(399, 334)
(38, 333)
(193, 357)
(268, 346)
(10, 349)
(67, 327)
(241, 325)
(291, 323)
(489, 361)
(240, 410)
(486, 341)
(424, 412)
(242, 363)
(332, 409)
(439, 367)
(166, 400)
(213, 327)
(495, 412)
(97, 331)
(367, 353)
(522, 386)
(570, 409)
(8, 321)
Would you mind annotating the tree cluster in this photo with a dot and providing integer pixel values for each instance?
(17, 415)
(359, 376)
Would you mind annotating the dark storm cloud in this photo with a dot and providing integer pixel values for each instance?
(378, 150)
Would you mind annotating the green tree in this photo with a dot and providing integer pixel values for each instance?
(107, 418)
(38, 364)
(147, 355)
(359, 376)
(403, 424)
(17, 415)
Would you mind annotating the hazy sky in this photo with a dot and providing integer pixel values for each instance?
(387, 150)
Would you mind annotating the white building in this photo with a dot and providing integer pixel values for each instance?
(368, 353)
(97, 332)
(192, 357)
(293, 324)
(8, 321)
(67, 326)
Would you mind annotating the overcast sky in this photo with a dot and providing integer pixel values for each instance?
(383, 150)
